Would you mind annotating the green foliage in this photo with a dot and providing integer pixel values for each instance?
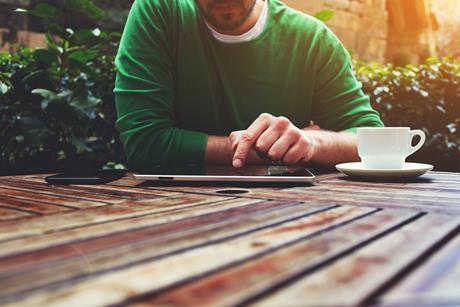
(56, 104)
(324, 15)
(426, 96)
(116, 13)
(86, 6)
(42, 10)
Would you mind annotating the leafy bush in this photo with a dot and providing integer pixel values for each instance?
(425, 97)
(56, 104)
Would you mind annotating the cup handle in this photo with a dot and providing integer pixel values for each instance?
(419, 144)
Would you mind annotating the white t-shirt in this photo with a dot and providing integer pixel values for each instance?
(251, 34)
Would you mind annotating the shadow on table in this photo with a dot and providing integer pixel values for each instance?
(224, 187)
(423, 179)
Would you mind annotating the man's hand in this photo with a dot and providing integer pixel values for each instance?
(275, 138)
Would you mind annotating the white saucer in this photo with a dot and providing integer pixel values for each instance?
(409, 170)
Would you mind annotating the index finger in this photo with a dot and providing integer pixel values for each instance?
(248, 138)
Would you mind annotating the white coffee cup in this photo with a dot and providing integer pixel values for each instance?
(387, 147)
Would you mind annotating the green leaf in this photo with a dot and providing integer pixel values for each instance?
(324, 15)
(56, 30)
(85, 103)
(85, 37)
(50, 42)
(34, 130)
(43, 11)
(114, 165)
(115, 35)
(19, 138)
(45, 93)
(83, 56)
(86, 6)
(3, 88)
(48, 96)
(46, 56)
(25, 52)
(80, 144)
(35, 75)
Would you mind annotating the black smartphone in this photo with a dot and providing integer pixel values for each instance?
(86, 177)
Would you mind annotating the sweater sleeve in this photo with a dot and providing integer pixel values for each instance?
(144, 92)
(340, 104)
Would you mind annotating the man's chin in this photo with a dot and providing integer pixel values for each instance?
(226, 26)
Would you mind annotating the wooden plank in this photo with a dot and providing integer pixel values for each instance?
(428, 187)
(239, 284)
(6, 178)
(429, 182)
(434, 283)
(32, 207)
(263, 190)
(436, 203)
(78, 260)
(403, 192)
(10, 214)
(183, 228)
(151, 276)
(436, 197)
(34, 226)
(170, 189)
(103, 189)
(424, 182)
(71, 192)
(57, 199)
(70, 236)
(353, 279)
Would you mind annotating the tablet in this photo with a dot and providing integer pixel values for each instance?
(253, 173)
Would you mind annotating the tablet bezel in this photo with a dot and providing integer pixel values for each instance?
(220, 178)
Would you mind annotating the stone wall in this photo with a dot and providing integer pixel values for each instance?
(23, 38)
(392, 30)
(360, 24)
(447, 14)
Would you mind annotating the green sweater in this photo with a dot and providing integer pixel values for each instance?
(177, 84)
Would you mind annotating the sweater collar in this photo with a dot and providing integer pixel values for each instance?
(251, 34)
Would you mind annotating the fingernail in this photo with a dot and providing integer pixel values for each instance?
(237, 163)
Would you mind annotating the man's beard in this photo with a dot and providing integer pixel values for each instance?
(227, 22)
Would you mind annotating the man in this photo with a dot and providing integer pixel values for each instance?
(234, 81)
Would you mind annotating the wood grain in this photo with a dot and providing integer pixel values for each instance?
(238, 285)
(160, 274)
(119, 191)
(64, 262)
(58, 200)
(436, 282)
(355, 278)
(33, 207)
(10, 214)
(70, 236)
(339, 241)
(33, 226)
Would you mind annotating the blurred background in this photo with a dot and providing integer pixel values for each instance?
(57, 75)
(396, 31)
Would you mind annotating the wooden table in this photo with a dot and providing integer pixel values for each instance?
(338, 242)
